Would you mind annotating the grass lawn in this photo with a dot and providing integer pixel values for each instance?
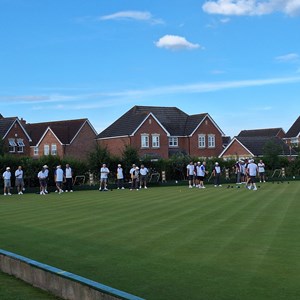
(166, 242)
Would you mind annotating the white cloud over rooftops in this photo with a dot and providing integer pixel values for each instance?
(175, 42)
(251, 7)
(132, 15)
(291, 57)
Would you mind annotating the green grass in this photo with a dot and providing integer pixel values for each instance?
(12, 288)
(166, 243)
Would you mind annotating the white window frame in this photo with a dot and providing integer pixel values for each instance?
(201, 141)
(20, 145)
(211, 141)
(155, 140)
(144, 140)
(53, 149)
(36, 151)
(173, 141)
(12, 145)
(294, 141)
(46, 149)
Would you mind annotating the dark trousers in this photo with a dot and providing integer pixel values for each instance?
(69, 184)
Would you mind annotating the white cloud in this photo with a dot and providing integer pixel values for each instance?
(291, 57)
(175, 42)
(132, 15)
(251, 7)
(97, 100)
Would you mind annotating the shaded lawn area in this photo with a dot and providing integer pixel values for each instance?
(12, 288)
(166, 242)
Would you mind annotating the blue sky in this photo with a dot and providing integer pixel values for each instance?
(238, 60)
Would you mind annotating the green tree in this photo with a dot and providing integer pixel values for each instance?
(271, 152)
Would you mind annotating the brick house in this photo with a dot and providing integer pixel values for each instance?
(15, 139)
(292, 136)
(163, 131)
(73, 138)
(253, 146)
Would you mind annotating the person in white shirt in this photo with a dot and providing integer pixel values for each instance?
(59, 177)
(7, 183)
(135, 178)
(120, 177)
(19, 180)
(252, 170)
(261, 171)
(69, 178)
(46, 173)
(104, 171)
(202, 173)
(190, 172)
(42, 176)
(217, 174)
(143, 176)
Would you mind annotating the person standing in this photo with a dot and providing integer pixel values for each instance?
(46, 173)
(19, 180)
(217, 174)
(202, 173)
(42, 176)
(120, 177)
(261, 171)
(59, 177)
(143, 176)
(104, 171)
(190, 172)
(69, 178)
(252, 171)
(135, 176)
(7, 181)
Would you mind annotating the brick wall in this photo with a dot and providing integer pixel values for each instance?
(115, 146)
(236, 150)
(207, 127)
(15, 133)
(83, 144)
(150, 126)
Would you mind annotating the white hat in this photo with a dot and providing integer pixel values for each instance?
(119, 165)
(136, 167)
(216, 163)
(45, 166)
(58, 167)
(8, 168)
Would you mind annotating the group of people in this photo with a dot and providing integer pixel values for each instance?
(19, 182)
(196, 173)
(60, 177)
(246, 172)
(138, 177)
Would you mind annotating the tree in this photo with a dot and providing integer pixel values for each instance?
(271, 152)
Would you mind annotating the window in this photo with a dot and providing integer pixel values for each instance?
(211, 141)
(145, 140)
(46, 150)
(21, 145)
(12, 145)
(36, 151)
(201, 141)
(173, 142)
(294, 142)
(155, 140)
(53, 149)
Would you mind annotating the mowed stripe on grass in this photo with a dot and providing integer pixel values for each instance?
(166, 243)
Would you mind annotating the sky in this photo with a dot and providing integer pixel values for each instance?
(238, 60)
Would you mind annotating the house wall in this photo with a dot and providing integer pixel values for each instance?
(281, 134)
(207, 127)
(83, 144)
(151, 126)
(49, 139)
(115, 146)
(14, 133)
(236, 151)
